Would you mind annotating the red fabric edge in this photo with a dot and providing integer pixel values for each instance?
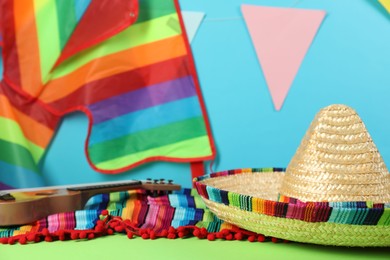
(196, 79)
(197, 170)
(128, 22)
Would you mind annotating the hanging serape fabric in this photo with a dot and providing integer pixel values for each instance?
(126, 64)
(134, 213)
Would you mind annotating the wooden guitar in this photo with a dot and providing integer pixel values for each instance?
(18, 207)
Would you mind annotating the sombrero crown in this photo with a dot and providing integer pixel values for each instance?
(337, 161)
(335, 191)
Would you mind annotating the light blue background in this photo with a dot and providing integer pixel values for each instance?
(348, 63)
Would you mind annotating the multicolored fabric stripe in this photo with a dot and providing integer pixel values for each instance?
(354, 213)
(22, 150)
(26, 127)
(137, 84)
(181, 208)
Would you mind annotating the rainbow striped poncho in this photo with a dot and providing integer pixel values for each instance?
(125, 63)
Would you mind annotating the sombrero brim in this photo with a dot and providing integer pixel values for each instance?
(248, 198)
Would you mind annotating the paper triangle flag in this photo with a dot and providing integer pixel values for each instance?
(281, 37)
(386, 4)
(192, 21)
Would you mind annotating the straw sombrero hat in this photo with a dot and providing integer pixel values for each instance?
(335, 191)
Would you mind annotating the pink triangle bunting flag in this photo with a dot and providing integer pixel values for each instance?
(281, 37)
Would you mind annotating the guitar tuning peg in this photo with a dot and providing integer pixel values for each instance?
(162, 181)
(155, 181)
(170, 182)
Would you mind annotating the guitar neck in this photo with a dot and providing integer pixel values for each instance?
(154, 187)
(16, 206)
(104, 187)
(89, 191)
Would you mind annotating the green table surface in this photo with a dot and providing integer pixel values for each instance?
(119, 247)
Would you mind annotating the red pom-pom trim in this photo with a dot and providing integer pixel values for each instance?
(111, 224)
(22, 240)
(251, 238)
(45, 232)
(74, 235)
(196, 232)
(48, 239)
(119, 229)
(219, 235)
(261, 238)
(31, 237)
(83, 234)
(229, 237)
(171, 236)
(225, 232)
(238, 236)
(171, 230)
(211, 237)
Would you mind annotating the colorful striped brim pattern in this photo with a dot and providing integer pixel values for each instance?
(249, 198)
(132, 73)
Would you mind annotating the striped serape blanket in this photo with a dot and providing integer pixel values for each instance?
(135, 214)
(127, 65)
